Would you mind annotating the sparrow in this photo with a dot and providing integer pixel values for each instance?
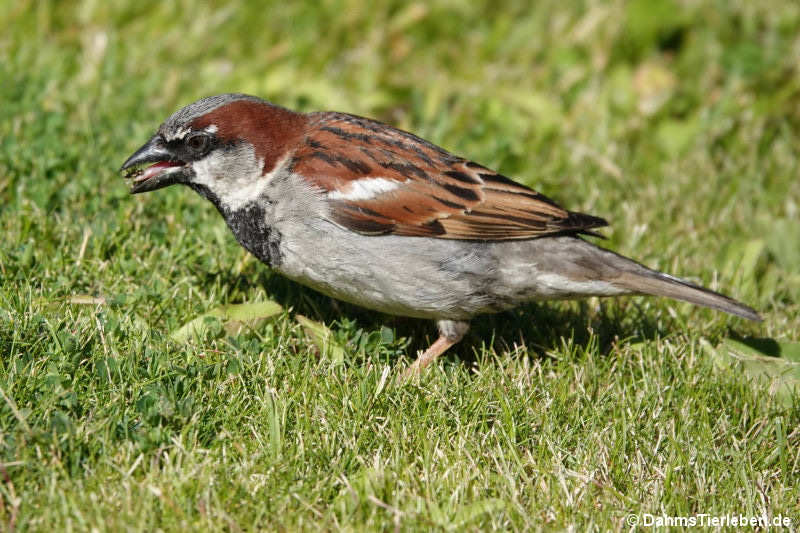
(378, 217)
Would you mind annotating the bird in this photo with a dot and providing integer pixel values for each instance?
(375, 216)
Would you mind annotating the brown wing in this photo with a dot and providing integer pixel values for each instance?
(382, 180)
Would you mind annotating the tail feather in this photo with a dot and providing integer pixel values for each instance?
(647, 281)
(583, 264)
(594, 262)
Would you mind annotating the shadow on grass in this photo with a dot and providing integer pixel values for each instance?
(545, 326)
(538, 326)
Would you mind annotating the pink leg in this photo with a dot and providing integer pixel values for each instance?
(450, 333)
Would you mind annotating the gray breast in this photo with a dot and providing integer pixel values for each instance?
(289, 228)
(408, 276)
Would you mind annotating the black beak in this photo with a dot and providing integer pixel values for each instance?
(167, 169)
(153, 151)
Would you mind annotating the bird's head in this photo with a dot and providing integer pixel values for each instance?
(221, 146)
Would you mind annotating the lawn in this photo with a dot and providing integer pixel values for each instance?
(677, 120)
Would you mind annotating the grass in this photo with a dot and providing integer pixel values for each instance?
(679, 121)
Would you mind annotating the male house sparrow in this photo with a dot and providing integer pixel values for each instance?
(378, 217)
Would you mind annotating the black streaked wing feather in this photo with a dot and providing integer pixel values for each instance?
(437, 194)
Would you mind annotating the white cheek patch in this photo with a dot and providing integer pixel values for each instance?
(234, 176)
(364, 189)
(212, 128)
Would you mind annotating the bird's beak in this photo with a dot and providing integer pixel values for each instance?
(166, 170)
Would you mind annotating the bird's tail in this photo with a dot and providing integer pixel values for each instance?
(638, 278)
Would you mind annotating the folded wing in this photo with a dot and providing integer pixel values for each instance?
(380, 180)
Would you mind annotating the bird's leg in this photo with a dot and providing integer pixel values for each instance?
(450, 333)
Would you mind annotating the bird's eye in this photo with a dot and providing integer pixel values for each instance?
(197, 143)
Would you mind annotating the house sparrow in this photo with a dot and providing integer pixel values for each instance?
(378, 217)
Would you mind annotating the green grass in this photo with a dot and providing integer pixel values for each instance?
(679, 121)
